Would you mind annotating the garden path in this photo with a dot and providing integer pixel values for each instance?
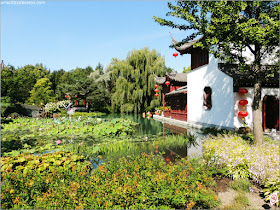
(227, 195)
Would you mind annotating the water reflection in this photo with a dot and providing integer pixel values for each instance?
(153, 136)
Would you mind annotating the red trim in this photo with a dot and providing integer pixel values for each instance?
(163, 101)
(176, 114)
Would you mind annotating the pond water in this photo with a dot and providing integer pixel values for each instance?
(148, 128)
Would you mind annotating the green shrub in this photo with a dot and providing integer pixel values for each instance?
(14, 115)
(215, 131)
(57, 181)
(160, 108)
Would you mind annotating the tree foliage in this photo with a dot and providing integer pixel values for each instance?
(41, 92)
(228, 28)
(17, 84)
(134, 81)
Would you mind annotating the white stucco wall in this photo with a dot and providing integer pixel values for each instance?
(238, 122)
(222, 111)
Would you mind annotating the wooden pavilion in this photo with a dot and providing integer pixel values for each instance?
(174, 91)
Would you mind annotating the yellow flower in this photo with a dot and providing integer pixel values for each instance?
(12, 191)
(16, 201)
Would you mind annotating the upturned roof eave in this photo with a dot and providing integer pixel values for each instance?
(185, 48)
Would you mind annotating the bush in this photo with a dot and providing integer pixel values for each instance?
(215, 131)
(14, 115)
(142, 182)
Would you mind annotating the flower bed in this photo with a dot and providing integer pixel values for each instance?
(242, 160)
(62, 181)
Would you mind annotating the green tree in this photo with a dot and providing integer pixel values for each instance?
(134, 81)
(41, 92)
(99, 68)
(233, 25)
(18, 83)
(56, 78)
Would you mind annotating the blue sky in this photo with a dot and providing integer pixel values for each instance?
(70, 34)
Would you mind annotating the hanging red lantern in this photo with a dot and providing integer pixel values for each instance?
(243, 91)
(156, 86)
(156, 90)
(175, 54)
(243, 114)
(156, 95)
(167, 83)
(243, 103)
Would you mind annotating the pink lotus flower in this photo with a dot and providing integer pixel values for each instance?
(58, 142)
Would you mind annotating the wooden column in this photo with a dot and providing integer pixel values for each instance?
(163, 101)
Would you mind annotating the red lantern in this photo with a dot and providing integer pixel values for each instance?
(243, 102)
(243, 114)
(167, 83)
(175, 54)
(243, 91)
(156, 90)
(167, 159)
(156, 95)
(156, 86)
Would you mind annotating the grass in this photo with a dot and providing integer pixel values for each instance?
(240, 202)
(241, 185)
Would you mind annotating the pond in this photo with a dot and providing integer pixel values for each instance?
(148, 128)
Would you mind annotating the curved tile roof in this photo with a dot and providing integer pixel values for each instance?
(179, 77)
(186, 47)
(159, 80)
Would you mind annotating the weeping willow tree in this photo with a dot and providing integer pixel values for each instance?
(134, 81)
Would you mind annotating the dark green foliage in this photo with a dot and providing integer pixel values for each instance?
(14, 142)
(17, 84)
(215, 131)
(56, 79)
(10, 142)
